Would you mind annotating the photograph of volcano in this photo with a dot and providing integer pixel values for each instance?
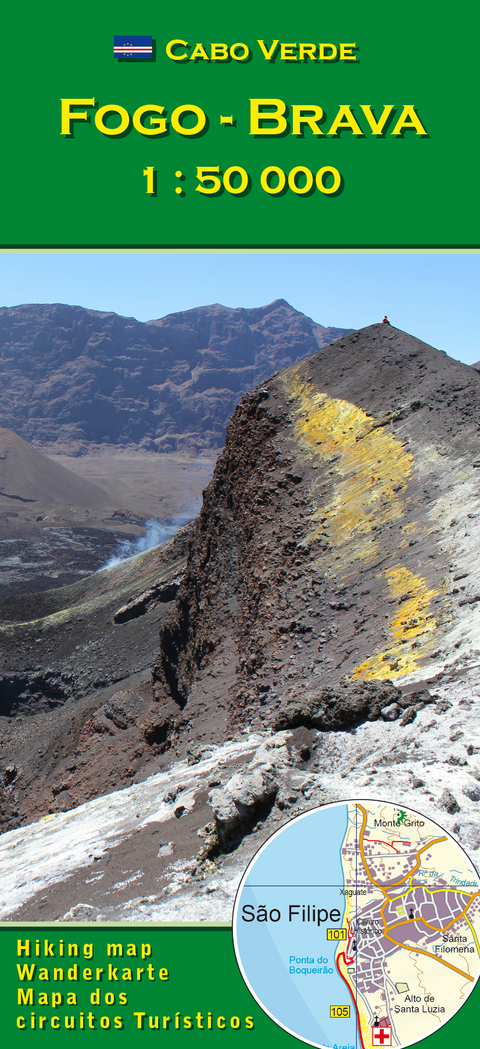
(239, 571)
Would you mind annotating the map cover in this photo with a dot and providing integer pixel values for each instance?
(254, 129)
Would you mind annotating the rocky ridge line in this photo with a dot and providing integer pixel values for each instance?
(73, 377)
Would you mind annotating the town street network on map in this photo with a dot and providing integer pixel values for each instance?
(412, 909)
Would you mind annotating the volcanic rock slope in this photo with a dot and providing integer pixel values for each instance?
(339, 536)
(324, 644)
(72, 376)
(77, 717)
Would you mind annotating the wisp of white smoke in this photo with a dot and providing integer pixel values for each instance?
(156, 532)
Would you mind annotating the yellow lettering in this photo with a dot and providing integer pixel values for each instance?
(25, 997)
(158, 125)
(26, 972)
(345, 118)
(408, 119)
(218, 52)
(265, 184)
(346, 53)
(241, 57)
(323, 54)
(173, 44)
(179, 112)
(306, 115)
(198, 52)
(292, 180)
(121, 127)
(337, 180)
(68, 116)
(257, 117)
(377, 126)
(268, 54)
(287, 53)
(307, 49)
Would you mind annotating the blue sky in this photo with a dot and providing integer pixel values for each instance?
(435, 297)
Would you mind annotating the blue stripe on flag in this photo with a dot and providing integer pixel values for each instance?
(132, 41)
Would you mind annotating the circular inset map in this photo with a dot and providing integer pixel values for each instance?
(358, 925)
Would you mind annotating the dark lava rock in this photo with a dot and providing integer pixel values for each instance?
(76, 375)
(409, 716)
(139, 605)
(469, 832)
(442, 706)
(33, 692)
(448, 802)
(337, 708)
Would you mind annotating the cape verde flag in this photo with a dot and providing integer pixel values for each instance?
(132, 46)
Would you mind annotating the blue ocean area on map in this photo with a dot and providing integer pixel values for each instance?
(298, 890)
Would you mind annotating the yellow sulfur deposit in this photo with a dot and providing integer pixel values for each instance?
(411, 630)
(370, 469)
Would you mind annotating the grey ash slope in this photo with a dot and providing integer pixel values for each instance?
(71, 376)
(27, 476)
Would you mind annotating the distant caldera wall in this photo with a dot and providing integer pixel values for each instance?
(73, 377)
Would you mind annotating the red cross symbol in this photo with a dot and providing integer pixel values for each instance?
(381, 1035)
